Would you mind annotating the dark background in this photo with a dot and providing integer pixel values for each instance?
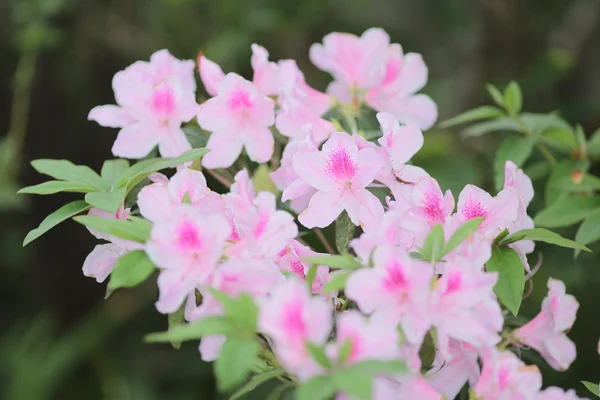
(59, 338)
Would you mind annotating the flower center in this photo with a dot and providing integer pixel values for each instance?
(340, 165)
(239, 100)
(188, 237)
(474, 209)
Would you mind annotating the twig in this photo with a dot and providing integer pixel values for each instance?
(323, 240)
(219, 178)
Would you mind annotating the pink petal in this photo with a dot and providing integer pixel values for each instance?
(369, 163)
(174, 285)
(225, 147)
(173, 142)
(259, 144)
(110, 116)
(210, 74)
(210, 347)
(101, 261)
(413, 75)
(154, 202)
(136, 140)
(418, 109)
(323, 209)
(311, 168)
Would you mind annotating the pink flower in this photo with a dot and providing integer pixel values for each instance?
(474, 251)
(340, 172)
(464, 308)
(429, 203)
(187, 247)
(370, 339)
(546, 332)
(555, 393)
(405, 75)
(239, 116)
(516, 178)
(357, 63)
(157, 200)
(292, 318)
(505, 377)
(210, 74)
(291, 258)
(101, 261)
(499, 212)
(400, 143)
(398, 287)
(294, 115)
(293, 85)
(153, 100)
(449, 374)
(288, 181)
(121, 214)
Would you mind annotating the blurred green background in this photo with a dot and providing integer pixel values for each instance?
(59, 338)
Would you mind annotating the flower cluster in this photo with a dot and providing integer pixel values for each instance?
(422, 282)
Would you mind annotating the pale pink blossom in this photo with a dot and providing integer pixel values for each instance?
(291, 259)
(505, 377)
(448, 374)
(294, 115)
(157, 200)
(430, 203)
(340, 172)
(498, 213)
(398, 287)
(400, 143)
(288, 181)
(186, 247)
(546, 332)
(210, 74)
(154, 98)
(101, 261)
(292, 318)
(238, 116)
(555, 393)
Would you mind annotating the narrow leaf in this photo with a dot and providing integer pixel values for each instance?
(495, 94)
(211, 325)
(52, 187)
(235, 361)
(107, 201)
(381, 367)
(58, 216)
(128, 230)
(511, 277)
(67, 171)
(311, 275)
(113, 169)
(433, 244)
(567, 211)
(318, 353)
(131, 269)
(592, 387)
(513, 98)
(589, 230)
(176, 319)
(345, 261)
(544, 235)
(257, 380)
(561, 180)
(461, 234)
(337, 282)
(344, 232)
(354, 383)
(496, 125)
(479, 113)
(316, 388)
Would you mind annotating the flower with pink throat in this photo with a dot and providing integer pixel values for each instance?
(340, 173)
(291, 259)
(239, 116)
(546, 332)
(186, 247)
(154, 98)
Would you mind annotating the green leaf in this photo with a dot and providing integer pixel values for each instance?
(241, 310)
(318, 353)
(544, 235)
(592, 387)
(589, 230)
(131, 269)
(495, 94)
(345, 261)
(210, 325)
(415, 255)
(58, 216)
(515, 149)
(344, 351)
(561, 180)
(196, 136)
(337, 282)
(381, 367)
(257, 380)
(511, 277)
(427, 352)
(562, 140)
(67, 171)
(594, 144)
(539, 124)
(461, 234)
(354, 383)
(235, 361)
(479, 113)
(52, 187)
(311, 275)
(316, 388)
(504, 238)
(128, 230)
(262, 181)
(433, 244)
(176, 319)
(344, 232)
(567, 211)
(113, 169)
(513, 98)
(107, 201)
(496, 125)
(137, 172)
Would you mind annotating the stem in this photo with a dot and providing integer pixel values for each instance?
(540, 146)
(323, 240)
(219, 178)
(21, 101)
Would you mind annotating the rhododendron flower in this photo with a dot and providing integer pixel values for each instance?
(291, 258)
(101, 261)
(292, 318)
(187, 248)
(239, 116)
(157, 200)
(448, 374)
(464, 308)
(294, 115)
(546, 332)
(505, 377)
(398, 287)
(499, 212)
(400, 143)
(370, 339)
(555, 393)
(429, 203)
(340, 172)
(153, 99)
